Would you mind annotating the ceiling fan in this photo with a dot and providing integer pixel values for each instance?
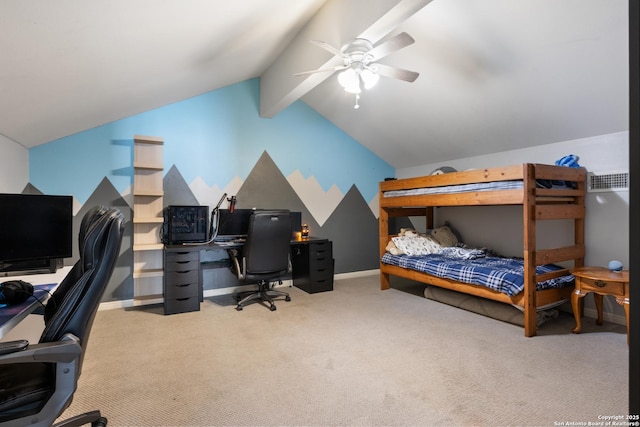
(360, 66)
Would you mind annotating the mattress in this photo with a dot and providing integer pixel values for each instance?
(505, 275)
(461, 188)
(478, 186)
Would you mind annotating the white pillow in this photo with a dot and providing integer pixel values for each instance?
(417, 245)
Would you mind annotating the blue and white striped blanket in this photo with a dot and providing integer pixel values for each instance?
(504, 275)
(475, 187)
(460, 188)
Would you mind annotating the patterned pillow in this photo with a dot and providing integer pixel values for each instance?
(417, 245)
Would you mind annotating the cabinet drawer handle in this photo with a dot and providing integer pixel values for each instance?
(183, 262)
(183, 272)
(600, 283)
(184, 286)
(183, 299)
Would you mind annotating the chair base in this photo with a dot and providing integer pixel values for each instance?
(263, 294)
(94, 418)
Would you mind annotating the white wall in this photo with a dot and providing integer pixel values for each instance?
(14, 166)
(606, 224)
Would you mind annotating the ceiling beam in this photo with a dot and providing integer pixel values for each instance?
(337, 22)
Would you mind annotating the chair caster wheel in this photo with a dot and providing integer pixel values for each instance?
(101, 422)
(239, 307)
(287, 298)
(273, 307)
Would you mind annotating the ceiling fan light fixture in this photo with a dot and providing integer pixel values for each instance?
(360, 67)
(349, 79)
(369, 78)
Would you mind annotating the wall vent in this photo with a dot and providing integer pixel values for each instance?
(607, 182)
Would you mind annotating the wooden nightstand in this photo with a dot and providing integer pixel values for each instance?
(600, 281)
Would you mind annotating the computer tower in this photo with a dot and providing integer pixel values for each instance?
(185, 224)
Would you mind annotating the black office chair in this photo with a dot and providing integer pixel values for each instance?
(37, 384)
(264, 257)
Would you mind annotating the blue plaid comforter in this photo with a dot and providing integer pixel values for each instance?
(504, 275)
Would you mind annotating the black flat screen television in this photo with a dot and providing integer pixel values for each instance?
(35, 231)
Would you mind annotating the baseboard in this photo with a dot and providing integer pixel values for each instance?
(607, 317)
(127, 303)
(354, 274)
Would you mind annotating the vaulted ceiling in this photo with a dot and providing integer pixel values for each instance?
(495, 75)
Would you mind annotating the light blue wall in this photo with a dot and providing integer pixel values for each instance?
(215, 136)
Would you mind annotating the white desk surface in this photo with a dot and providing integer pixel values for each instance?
(35, 280)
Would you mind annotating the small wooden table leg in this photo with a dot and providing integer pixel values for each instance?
(576, 298)
(598, 300)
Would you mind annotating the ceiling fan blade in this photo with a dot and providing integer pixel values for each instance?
(327, 46)
(321, 70)
(395, 43)
(396, 73)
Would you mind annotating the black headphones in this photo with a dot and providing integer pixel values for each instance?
(15, 292)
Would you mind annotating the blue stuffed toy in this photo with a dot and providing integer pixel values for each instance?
(570, 161)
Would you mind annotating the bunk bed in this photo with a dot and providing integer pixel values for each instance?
(545, 192)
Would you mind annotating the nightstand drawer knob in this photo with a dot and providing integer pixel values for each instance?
(600, 283)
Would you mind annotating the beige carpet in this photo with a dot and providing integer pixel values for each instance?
(356, 356)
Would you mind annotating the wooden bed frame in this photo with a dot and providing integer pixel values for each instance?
(538, 204)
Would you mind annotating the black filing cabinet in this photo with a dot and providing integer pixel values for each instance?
(312, 263)
(182, 290)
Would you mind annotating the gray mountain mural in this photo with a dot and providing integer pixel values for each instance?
(266, 187)
(31, 189)
(176, 190)
(354, 231)
(352, 226)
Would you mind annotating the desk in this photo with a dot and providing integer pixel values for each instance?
(600, 281)
(183, 287)
(10, 316)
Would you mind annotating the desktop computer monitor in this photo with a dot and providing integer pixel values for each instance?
(233, 225)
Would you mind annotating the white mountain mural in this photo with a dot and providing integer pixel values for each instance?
(320, 203)
(374, 205)
(210, 196)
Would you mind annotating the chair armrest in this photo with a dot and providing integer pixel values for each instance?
(233, 254)
(13, 346)
(55, 352)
